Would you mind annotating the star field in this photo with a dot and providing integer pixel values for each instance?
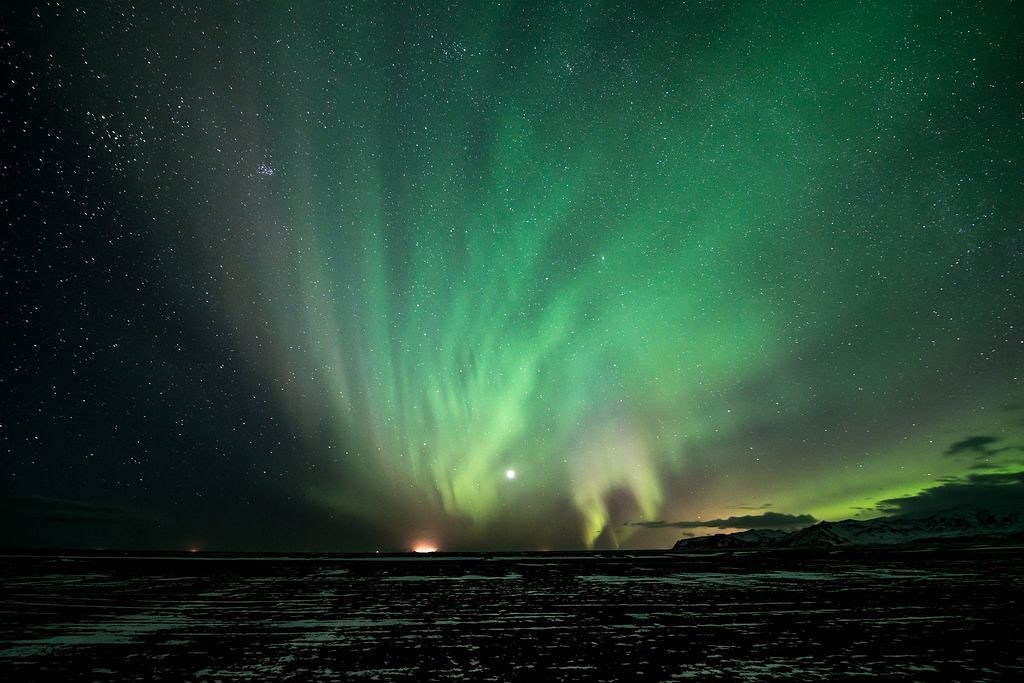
(510, 275)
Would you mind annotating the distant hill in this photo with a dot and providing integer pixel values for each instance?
(952, 525)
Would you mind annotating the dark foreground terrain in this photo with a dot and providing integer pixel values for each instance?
(953, 614)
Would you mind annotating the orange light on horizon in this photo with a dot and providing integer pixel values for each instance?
(424, 547)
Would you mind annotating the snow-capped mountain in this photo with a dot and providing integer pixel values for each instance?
(741, 539)
(880, 531)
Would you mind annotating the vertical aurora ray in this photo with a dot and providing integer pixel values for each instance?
(570, 261)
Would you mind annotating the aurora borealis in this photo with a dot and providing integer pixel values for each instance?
(321, 278)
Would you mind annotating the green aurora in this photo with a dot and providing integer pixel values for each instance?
(666, 263)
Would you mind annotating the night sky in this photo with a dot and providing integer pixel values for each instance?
(511, 275)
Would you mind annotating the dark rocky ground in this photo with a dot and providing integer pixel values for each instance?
(950, 614)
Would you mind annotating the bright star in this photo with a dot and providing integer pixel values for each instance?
(510, 474)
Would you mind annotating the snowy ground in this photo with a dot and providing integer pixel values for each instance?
(741, 616)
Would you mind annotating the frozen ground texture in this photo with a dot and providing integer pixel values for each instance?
(798, 615)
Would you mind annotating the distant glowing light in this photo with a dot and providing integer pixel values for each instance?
(424, 548)
(510, 474)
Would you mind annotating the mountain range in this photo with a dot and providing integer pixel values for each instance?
(948, 526)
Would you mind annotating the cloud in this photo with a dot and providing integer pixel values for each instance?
(998, 492)
(766, 520)
(974, 445)
(41, 508)
(747, 506)
(979, 446)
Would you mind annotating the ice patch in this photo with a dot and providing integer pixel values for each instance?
(511, 576)
(714, 578)
(345, 623)
(119, 631)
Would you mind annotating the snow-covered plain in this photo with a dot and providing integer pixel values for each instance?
(643, 616)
